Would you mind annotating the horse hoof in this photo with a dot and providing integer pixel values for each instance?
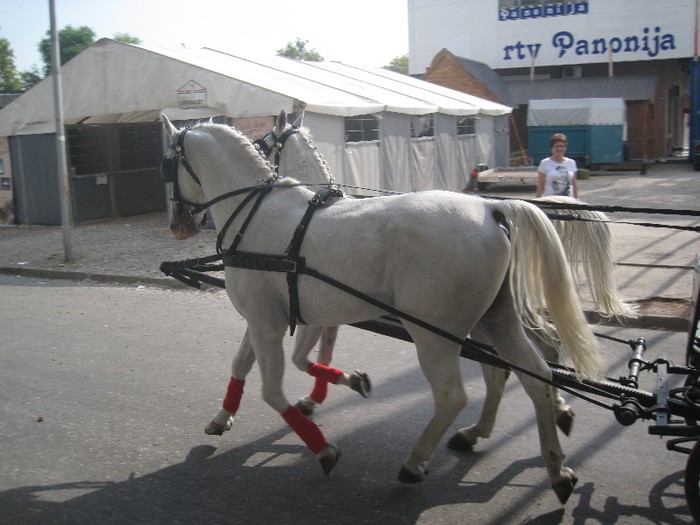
(459, 443)
(564, 488)
(406, 476)
(305, 407)
(565, 422)
(360, 382)
(220, 424)
(328, 458)
(214, 429)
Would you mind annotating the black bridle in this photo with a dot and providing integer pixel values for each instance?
(169, 169)
(169, 172)
(273, 142)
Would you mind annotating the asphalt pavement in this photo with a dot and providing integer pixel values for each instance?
(654, 266)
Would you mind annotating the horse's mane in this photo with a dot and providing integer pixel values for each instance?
(228, 133)
(325, 168)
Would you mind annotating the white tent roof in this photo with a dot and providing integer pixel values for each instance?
(113, 82)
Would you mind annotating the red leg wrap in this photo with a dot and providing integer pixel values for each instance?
(234, 392)
(305, 429)
(324, 372)
(320, 391)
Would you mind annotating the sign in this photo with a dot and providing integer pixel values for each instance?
(525, 12)
(192, 96)
(649, 42)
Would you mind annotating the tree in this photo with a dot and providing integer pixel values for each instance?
(126, 38)
(9, 78)
(30, 78)
(72, 40)
(398, 64)
(297, 51)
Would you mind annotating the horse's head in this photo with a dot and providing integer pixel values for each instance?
(186, 216)
(300, 159)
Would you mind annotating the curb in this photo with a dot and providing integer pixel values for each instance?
(646, 321)
(68, 275)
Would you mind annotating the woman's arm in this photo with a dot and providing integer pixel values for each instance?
(540, 184)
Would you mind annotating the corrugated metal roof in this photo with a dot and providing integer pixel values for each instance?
(516, 92)
(486, 76)
(628, 87)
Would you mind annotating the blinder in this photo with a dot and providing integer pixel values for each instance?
(168, 168)
(168, 171)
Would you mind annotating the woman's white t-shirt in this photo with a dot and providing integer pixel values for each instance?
(558, 176)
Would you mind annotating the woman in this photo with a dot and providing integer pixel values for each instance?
(556, 175)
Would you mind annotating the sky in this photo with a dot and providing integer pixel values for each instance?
(361, 32)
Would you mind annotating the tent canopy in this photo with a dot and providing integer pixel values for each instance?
(114, 82)
(576, 112)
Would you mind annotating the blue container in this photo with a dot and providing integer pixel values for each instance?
(588, 145)
(594, 129)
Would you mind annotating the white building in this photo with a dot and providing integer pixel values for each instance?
(573, 49)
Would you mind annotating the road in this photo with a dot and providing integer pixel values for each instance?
(106, 390)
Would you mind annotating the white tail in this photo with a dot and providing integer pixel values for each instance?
(543, 287)
(588, 247)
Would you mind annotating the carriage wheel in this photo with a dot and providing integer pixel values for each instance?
(691, 380)
(692, 482)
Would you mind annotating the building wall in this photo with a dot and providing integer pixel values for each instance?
(506, 34)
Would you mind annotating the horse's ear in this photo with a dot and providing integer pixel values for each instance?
(169, 128)
(281, 122)
(299, 122)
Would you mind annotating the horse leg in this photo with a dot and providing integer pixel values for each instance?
(465, 438)
(240, 366)
(505, 327)
(326, 343)
(439, 362)
(269, 353)
(305, 341)
(495, 378)
(565, 414)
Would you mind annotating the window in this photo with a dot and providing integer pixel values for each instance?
(363, 128)
(466, 125)
(422, 126)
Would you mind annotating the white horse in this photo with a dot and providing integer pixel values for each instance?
(587, 244)
(443, 260)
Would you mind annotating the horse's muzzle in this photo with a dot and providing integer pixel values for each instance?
(184, 226)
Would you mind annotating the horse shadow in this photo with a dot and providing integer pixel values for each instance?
(273, 479)
(234, 487)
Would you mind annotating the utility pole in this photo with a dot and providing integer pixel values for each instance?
(61, 161)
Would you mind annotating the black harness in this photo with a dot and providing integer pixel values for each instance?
(291, 263)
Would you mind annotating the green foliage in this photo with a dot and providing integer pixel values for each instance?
(9, 78)
(30, 78)
(398, 64)
(72, 40)
(126, 38)
(297, 51)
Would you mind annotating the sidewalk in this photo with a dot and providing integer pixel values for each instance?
(129, 251)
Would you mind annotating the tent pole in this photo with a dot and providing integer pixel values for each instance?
(61, 161)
